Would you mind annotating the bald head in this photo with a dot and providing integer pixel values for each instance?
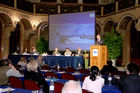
(72, 87)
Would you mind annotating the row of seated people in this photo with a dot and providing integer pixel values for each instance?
(56, 52)
(34, 74)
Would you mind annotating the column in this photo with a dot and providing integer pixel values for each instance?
(59, 9)
(15, 3)
(117, 7)
(102, 10)
(136, 2)
(34, 8)
(80, 1)
(59, 2)
(81, 8)
(7, 32)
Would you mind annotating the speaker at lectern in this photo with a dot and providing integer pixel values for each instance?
(98, 55)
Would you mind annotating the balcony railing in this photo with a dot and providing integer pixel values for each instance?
(7, 2)
(46, 9)
(70, 9)
(25, 5)
(123, 4)
(68, 6)
(109, 8)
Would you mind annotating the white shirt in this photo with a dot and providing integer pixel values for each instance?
(12, 72)
(93, 86)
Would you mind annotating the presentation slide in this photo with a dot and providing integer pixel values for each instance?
(72, 31)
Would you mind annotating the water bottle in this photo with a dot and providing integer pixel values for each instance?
(109, 79)
(41, 89)
(51, 86)
(58, 67)
(79, 65)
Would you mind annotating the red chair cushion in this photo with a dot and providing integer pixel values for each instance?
(70, 69)
(58, 87)
(31, 85)
(15, 82)
(68, 76)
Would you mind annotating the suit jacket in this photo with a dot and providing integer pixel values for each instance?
(38, 77)
(130, 83)
(109, 69)
(3, 76)
(80, 54)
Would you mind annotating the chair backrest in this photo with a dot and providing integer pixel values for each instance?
(31, 85)
(55, 68)
(86, 91)
(15, 82)
(51, 74)
(83, 77)
(84, 71)
(58, 87)
(68, 76)
(70, 69)
(46, 67)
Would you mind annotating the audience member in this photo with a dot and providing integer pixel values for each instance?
(39, 61)
(12, 71)
(22, 63)
(94, 82)
(56, 52)
(67, 52)
(7, 69)
(33, 74)
(131, 82)
(72, 87)
(79, 52)
(109, 69)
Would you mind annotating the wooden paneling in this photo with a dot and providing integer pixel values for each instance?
(101, 59)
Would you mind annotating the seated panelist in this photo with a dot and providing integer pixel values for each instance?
(67, 52)
(56, 52)
(79, 52)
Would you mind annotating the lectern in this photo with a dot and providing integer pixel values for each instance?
(98, 55)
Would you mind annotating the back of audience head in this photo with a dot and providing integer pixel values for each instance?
(72, 87)
(32, 66)
(94, 71)
(6, 62)
(31, 59)
(132, 68)
(109, 62)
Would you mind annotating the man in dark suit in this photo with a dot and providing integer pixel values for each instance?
(79, 52)
(130, 83)
(99, 40)
(109, 69)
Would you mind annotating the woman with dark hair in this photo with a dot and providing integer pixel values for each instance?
(94, 82)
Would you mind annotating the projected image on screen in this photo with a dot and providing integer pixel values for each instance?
(72, 31)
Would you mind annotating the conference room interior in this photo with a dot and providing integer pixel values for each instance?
(24, 22)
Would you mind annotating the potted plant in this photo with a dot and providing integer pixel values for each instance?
(113, 40)
(42, 45)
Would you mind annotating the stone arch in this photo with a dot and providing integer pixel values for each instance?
(5, 29)
(122, 25)
(108, 25)
(26, 23)
(97, 29)
(39, 27)
(7, 21)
